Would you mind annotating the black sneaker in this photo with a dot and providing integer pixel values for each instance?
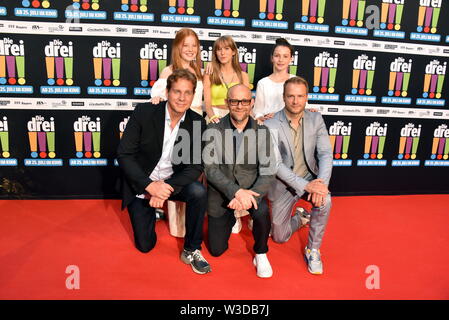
(196, 260)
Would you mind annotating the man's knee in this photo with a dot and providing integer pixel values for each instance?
(217, 250)
(145, 246)
(196, 191)
(279, 234)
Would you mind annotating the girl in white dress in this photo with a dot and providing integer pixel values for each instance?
(270, 89)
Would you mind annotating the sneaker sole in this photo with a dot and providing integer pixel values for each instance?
(307, 263)
(183, 259)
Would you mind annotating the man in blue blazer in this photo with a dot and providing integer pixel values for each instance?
(304, 168)
(160, 157)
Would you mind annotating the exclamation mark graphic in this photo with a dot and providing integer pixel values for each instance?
(405, 84)
(190, 5)
(421, 14)
(95, 5)
(368, 140)
(79, 144)
(143, 5)
(428, 20)
(399, 77)
(374, 147)
(316, 79)
(305, 10)
(436, 15)
(68, 64)
(262, 9)
(144, 67)
(59, 70)
(446, 150)
(162, 64)
(363, 81)
(279, 9)
(235, 8)
(251, 70)
(20, 62)
(11, 65)
(270, 15)
(181, 6)
(391, 14)
(361, 13)
(107, 71)
(313, 9)
(399, 11)
(324, 79)
(51, 144)
(345, 13)
(332, 76)
(226, 7)
(415, 147)
(383, 15)
(440, 85)
(408, 147)
(218, 7)
(153, 72)
(2, 70)
(433, 86)
(96, 141)
(134, 7)
(391, 83)
(125, 6)
(402, 141)
(172, 6)
(369, 85)
(98, 65)
(332, 139)
(381, 147)
(346, 140)
(32, 137)
(441, 148)
(50, 65)
(42, 142)
(338, 147)
(4, 139)
(116, 71)
(321, 7)
(353, 13)
(87, 144)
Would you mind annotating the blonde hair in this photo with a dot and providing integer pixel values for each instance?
(176, 60)
(225, 41)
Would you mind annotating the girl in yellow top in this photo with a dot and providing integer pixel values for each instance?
(226, 72)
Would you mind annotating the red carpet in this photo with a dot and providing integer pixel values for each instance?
(405, 236)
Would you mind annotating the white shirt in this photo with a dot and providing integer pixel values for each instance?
(160, 86)
(268, 97)
(164, 168)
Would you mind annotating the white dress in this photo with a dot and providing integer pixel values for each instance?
(159, 90)
(268, 97)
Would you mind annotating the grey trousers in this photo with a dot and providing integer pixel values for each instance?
(283, 224)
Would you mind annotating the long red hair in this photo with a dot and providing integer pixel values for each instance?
(176, 60)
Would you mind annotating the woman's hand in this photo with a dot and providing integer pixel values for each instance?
(156, 100)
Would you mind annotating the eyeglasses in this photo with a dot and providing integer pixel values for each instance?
(235, 102)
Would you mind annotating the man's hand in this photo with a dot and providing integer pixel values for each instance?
(246, 198)
(317, 186)
(235, 204)
(316, 199)
(156, 202)
(159, 189)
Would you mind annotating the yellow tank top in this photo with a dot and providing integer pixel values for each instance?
(219, 92)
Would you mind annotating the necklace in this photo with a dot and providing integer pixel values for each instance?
(223, 80)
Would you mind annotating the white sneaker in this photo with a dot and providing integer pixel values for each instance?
(237, 226)
(263, 266)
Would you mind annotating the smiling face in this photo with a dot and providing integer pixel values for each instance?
(281, 58)
(239, 112)
(295, 98)
(180, 96)
(189, 49)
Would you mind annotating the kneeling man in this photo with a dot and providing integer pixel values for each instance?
(304, 170)
(153, 175)
(240, 166)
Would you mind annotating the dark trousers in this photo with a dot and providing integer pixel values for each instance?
(220, 228)
(143, 218)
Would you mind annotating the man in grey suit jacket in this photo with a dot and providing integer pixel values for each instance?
(304, 169)
(240, 166)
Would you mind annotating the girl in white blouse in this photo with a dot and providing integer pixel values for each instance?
(270, 89)
(185, 55)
